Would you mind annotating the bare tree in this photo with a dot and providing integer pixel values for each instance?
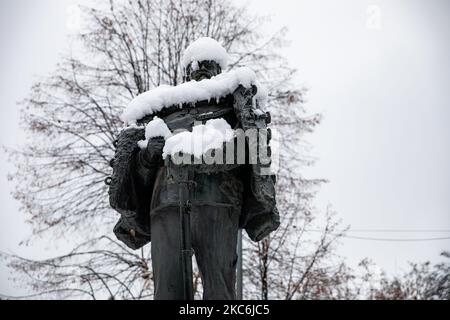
(72, 118)
(100, 268)
(423, 281)
(293, 264)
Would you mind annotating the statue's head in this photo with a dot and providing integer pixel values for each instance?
(202, 70)
(203, 59)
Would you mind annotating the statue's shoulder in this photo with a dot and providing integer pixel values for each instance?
(130, 133)
(127, 142)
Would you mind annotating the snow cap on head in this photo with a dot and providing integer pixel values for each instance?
(205, 49)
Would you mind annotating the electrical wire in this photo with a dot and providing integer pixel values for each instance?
(400, 230)
(396, 240)
(344, 235)
(388, 230)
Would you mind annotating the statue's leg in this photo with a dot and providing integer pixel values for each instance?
(166, 255)
(214, 237)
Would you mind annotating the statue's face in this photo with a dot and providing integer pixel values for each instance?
(203, 70)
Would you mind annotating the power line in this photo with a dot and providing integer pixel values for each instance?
(343, 234)
(388, 230)
(396, 240)
(401, 230)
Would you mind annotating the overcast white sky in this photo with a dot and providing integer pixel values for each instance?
(382, 85)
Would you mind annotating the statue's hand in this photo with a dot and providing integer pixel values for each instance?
(243, 102)
(154, 150)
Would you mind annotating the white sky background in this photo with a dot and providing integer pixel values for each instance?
(383, 88)
(384, 92)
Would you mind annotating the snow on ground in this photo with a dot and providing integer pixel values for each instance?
(190, 92)
(205, 49)
(155, 128)
(203, 138)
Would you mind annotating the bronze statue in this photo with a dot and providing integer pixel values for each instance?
(154, 196)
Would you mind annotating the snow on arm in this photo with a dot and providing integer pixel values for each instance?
(203, 138)
(190, 92)
(155, 128)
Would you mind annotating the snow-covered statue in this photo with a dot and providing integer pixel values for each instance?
(187, 174)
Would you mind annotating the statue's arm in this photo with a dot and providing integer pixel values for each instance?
(134, 172)
(259, 212)
(149, 160)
